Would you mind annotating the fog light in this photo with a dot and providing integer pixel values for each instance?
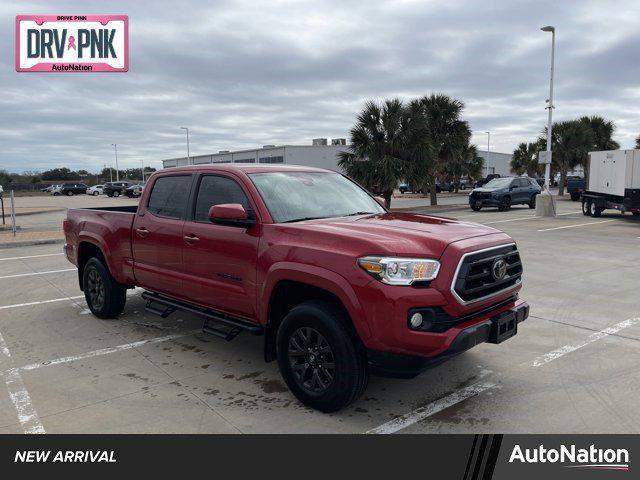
(416, 320)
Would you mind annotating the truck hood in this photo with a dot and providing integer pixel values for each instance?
(395, 233)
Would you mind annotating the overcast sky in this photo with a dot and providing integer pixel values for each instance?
(242, 74)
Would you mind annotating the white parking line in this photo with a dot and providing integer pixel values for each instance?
(106, 351)
(421, 413)
(131, 292)
(38, 273)
(573, 226)
(41, 302)
(562, 351)
(27, 415)
(30, 256)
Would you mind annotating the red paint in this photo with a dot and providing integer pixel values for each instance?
(235, 269)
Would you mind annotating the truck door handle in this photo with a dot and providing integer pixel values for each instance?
(142, 231)
(191, 239)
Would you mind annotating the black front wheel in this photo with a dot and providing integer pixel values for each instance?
(532, 202)
(105, 296)
(320, 358)
(476, 208)
(505, 204)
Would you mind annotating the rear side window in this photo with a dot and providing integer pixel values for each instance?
(169, 196)
(216, 190)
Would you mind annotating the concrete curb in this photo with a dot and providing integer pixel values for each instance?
(432, 208)
(39, 212)
(30, 243)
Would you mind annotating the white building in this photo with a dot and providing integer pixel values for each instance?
(319, 154)
(495, 162)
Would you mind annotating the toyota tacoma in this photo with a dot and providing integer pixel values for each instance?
(339, 287)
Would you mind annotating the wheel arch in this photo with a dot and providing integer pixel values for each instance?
(288, 287)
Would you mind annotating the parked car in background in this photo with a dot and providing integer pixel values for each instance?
(115, 189)
(56, 190)
(487, 179)
(50, 188)
(464, 183)
(575, 186)
(134, 191)
(73, 189)
(406, 187)
(95, 190)
(504, 192)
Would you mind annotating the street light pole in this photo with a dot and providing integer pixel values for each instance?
(550, 107)
(488, 140)
(188, 156)
(115, 148)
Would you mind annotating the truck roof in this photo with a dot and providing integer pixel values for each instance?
(247, 168)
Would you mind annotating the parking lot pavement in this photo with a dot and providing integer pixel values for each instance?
(571, 368)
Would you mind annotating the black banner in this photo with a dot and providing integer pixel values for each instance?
(459, 457)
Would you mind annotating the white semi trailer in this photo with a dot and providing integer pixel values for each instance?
(614, 182)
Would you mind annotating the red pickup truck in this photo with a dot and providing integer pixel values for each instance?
(339, 286)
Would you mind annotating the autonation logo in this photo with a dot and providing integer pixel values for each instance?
(573, 457)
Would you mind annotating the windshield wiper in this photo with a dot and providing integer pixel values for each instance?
(359, 213)
(302, 219)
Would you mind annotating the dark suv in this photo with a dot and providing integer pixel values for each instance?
(73, 189)
(504, 192)
(115, 189)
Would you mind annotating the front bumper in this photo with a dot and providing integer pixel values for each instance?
(396, 365)
(484, 202)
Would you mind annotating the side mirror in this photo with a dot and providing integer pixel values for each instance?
(232, 214)
(382, 201)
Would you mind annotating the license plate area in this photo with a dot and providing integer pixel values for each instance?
(503, 327)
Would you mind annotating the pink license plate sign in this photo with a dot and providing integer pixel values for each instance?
(72, 43)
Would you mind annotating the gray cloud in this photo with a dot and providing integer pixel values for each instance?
(247, 73)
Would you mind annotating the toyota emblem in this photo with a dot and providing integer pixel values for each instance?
(499, 269)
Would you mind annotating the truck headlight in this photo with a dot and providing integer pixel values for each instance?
(400, 271)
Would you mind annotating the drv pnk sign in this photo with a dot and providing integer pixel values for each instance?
(72, 43)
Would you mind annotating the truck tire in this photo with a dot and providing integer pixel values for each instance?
(105, 296)
(595, 210)
(586, 207)
(575, 196)
(116, 193)
(532, 202)
(476, 208)
(70, 193)
(96, 193)
(505, 205)
(320, 358)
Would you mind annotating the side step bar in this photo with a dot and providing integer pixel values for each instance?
(218, 324)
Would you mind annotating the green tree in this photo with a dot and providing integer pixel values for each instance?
(448, 135)
(387, 141)
(60, 174)
(638, 141)
(602, 131)
(525, 159)
(571, 141)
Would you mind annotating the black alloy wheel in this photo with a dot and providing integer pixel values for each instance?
(311, 359)
(95, 289)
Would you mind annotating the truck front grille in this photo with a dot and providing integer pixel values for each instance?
(479, 274)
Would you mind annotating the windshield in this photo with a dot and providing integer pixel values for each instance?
(294, 196)
(499, 183)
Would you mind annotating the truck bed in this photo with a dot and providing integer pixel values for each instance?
(107, 228)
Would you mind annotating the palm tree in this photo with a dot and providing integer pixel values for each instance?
(384, 142)
(525, 159)
(448, 134)
(571, 142)
(638, 141)
(602, 131)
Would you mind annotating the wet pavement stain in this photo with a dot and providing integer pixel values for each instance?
(135, 376)
(272, 386)
(249, 375)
